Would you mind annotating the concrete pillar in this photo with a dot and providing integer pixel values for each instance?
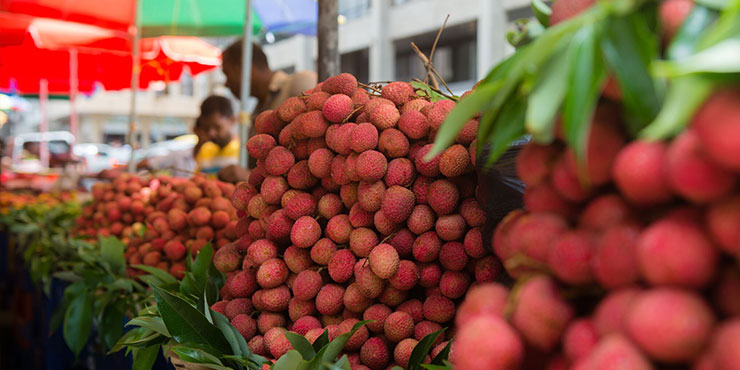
(146, 131)
(382, 53)
(491, 42)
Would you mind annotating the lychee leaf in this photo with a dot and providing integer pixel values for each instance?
(629, 46)
(463, 111)
(442, 355)
(144, 357)
(110, 328)
(161, 276)
(686, 41)
(586, 80)
(187, 325)
(332, 350)
(685, 95)
(721, 58)
(301, 344)
(341, 364)
(547, 97)
(508, 128)
(78, 321)
(422, 349)
(111, 254)
(223, 324)
(197, 356)
(321, 341)
(154, 323)
(291, 360)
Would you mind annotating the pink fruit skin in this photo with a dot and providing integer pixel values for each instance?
(614, 262)
(487, 342)
(570, 257)
(726, 346)
(609, 315)
(693, 175)
(579, 339)
(640, 173)
(718, 126)
(677, 252)
(541, 315)
(722, 219)
(614, 353)
(671, 325)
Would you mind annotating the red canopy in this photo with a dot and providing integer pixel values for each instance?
(162, 59)
(116, 15)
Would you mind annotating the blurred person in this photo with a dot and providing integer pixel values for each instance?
(219, 156)
(270, 88)
(181, 162)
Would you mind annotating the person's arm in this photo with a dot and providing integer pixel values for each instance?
(233, 174)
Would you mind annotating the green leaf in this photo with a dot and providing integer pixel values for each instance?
(721, 58)
(428, 92)
(78, 321)
(464, 110)
(321, 341)
(685, 95)
(301, 344)
(342, 364)
(195, 279)
(422, 349)
(332, 350)
(154, 323)
(195, 355)
(58, 316)
(111, 323)
(714, 4)
(629, 46)
(144, 358)
(159, 274)
(687, 39)
(586, 80)
(547, 97)
(223, 324)
(542, 12)
(291, 360)
(187, 325)
(442, 355)
(509, 127)
(111, 253)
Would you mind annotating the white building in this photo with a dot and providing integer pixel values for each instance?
(375, 39)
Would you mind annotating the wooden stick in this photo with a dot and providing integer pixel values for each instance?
(427, 65)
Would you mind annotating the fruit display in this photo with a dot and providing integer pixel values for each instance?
(17, 200)
(626, 252)
(346, 221)
(161, 219)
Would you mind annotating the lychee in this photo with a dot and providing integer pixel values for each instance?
(337, 108)
(393, 143)
(641, 173)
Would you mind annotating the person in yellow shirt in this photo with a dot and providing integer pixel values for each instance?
(218, 155)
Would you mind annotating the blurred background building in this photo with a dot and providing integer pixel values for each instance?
(375, 44)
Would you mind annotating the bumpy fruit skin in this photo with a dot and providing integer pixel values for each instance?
(487, 342)
(337, 108)
(722, 219)
(259, 145)
(413, 124)
(402, 352)
(290, 109)
(658, 323)
(364, 137)
(384, 261)
(398, 326)
(279, 160)
(305, 232)
(439, 309)
(276, 342)
(340, 265)
(398, 203)
(246, 325)
(454, 161)
(580, 338)
(438, 112)
(614, 261)
(384, 116)
(393, 143)
(398, 92)
(485, 299)
(375, 354)
(570, 258)
(428, 168)
(330, 299)
(343, 83)
(371, 165)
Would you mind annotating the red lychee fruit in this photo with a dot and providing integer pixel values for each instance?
(384, 261)
(290, 109)
(722, 219)
(614, 261)
(443, 196)
(343, 83)
(330, 299)
(717, 125)
(259, 145)
(364, 137)
(694, 176)
(454, 161)
(439, 309)
(371, 165)
(677, 252)
(337, 108)
(393, 143)
(641, 173)
(340, 265)
(375, 354)
(487, 342)
(272, 273)
(438, 112)
(570, 257)
(384, 116)
(484, 299)
(670, 325)
(305, 232)
(541, 314)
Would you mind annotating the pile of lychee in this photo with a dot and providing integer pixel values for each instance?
(628, 260)
(161, 218)
(347, 221)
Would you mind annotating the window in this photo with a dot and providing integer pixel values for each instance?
(352, 9)
(356, 63)
(454, 58)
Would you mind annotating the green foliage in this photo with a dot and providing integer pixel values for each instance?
(558, 74)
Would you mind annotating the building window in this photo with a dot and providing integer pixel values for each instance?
(454, 57)
(356, 63)
(352, 9)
